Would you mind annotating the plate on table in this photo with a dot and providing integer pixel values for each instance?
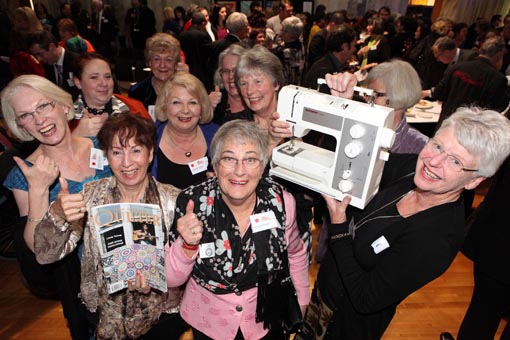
(424, 105)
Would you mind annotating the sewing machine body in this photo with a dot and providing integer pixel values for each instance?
(362, 132)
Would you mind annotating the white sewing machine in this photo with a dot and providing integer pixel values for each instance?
(362, 132)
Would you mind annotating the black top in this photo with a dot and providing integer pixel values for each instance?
(179, 175)
(364, 283)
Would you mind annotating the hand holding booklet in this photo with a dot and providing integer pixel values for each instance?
(130, 239)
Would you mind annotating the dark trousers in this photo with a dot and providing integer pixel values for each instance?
(489, 304)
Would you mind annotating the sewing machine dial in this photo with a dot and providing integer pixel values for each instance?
(357, 131)
(345, 186)
(353, 149)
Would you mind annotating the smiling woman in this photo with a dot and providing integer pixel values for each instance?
(93, 77)
(409, 233)
(35, 108)
(185, 131)
(238, 256)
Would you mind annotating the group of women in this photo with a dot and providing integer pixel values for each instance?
(212, 186)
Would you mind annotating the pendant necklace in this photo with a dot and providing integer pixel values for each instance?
(187, 151)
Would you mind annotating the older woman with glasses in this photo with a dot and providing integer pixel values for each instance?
(410, 232)
(36, 109)
(163, 56)
(232, 105)
(225, 253)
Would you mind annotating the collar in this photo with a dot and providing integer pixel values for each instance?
(60, 60)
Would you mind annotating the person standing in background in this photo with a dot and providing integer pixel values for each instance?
(140, 22)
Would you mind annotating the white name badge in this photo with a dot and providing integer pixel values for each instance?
(380, 244)
(200, 165)
(97, 159)
(207, 250)
(263, 221)
(373, 48)
(152, 111)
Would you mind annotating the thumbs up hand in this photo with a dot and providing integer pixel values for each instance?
(189, 226)
(215, 96)
(68, 207)
(41, 174)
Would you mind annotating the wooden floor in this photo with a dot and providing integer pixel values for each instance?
(435, 308)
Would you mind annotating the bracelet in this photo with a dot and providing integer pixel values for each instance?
(31, 219)
(339, 236)
(188, 246)
(61, 226)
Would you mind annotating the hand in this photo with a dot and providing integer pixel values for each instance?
(41, 174)
(139, 284)
(182, 67)
(68, 207)
(189, 226)
(337, 208)
(215, 96)
(341, 84)
(278, 129)
(89, 125)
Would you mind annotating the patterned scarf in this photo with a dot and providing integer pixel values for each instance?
(237, 263)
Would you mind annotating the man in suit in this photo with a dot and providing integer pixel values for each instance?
(238, 30)
(475, 82)
(196, 44)
(58, 63)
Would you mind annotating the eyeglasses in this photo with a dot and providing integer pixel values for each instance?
(227, 71)
(42, 109)
(231, 162)
(452, 162)
(158, 59)
(370, 98)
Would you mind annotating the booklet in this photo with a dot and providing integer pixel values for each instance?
(130, 239)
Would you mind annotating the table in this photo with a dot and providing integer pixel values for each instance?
(424, 120)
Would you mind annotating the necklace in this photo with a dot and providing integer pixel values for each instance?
(187, 151)
(368, 219)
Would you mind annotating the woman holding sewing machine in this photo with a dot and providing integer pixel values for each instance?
(409, 233)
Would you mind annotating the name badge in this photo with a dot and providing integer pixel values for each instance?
(373, 48)
(263, 221)
(207, 250)
(200, 165)
(152, 111)
(97, 159)
(380, 244)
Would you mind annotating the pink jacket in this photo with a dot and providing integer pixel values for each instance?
(220, 316)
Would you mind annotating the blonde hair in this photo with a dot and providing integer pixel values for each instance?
(162, 42)
(194, 86)
(29, 15)
(39, 84)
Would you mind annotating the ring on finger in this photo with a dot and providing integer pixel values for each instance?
(193, 232)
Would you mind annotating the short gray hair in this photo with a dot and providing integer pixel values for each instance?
(402, 83)
(240, 132)
(294, 26)
(37, 83)
(492, 46)
(260, 59)
(483, 133)
(445, 44)
(236, 22)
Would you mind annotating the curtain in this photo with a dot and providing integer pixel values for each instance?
(468, 10)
